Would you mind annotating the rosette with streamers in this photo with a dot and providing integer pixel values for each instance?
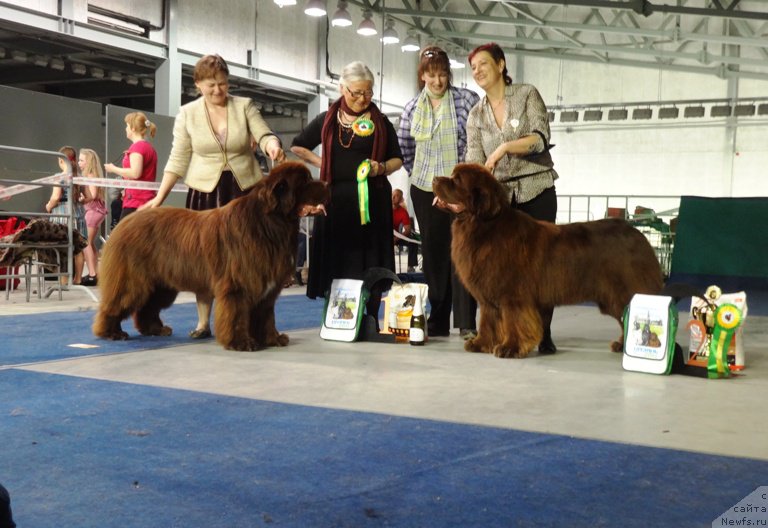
(727, 320)
(363, 170)
(362, 127)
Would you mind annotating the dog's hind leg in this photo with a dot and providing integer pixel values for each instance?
(109, 326)
(115, 305)
(147, 318)
(615, 309)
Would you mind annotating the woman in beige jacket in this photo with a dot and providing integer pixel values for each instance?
(211, 150)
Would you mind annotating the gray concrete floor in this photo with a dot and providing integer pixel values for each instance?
(581, 391)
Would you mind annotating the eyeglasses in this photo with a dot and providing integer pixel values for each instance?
(433, 53)
(357, 94)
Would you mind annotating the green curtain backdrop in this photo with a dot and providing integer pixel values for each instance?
(722, 237)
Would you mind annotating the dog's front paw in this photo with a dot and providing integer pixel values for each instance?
(508, 351)
(158, 331)
(243, 345)
(473, 344)
(117, 335)
(282, 340)
(617, 346)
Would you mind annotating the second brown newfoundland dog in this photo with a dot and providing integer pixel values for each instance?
(240, 254)
(515, 266)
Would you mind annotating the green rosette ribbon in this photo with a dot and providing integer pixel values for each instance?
(727, 319)
(363, 170)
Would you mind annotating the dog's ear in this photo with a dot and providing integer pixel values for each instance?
(484, 193)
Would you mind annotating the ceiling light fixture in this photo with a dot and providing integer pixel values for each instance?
(720, 111)
(78, 68)
(569, 116)
(617, 114)
(132, 80)
(147, 82)
(593, 115)
(284, 3)
(97, 73)
(19, 56)
(115, 76)
(40, 60)
(389, 35)
(341, 18)
(669, 112)
(642, 113)
(411, 42)
(56, 64)
(315, 8)
(367, 28)
(744, 110)
(693, 111)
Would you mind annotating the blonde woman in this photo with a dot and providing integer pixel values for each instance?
(95, 211)
(139, 162)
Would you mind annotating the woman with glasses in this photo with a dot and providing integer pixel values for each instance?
(358, 150)
(433, 138)
(508, 132)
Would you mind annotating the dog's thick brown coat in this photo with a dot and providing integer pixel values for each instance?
(515, 266)
(240, 255)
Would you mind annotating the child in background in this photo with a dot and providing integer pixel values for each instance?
(95, 211)
(57, 204)
(139, 162)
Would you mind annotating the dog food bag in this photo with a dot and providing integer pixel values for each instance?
(398, 308)
(702, 323)
(650, 325)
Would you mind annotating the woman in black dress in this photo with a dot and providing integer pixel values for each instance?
(348, 241)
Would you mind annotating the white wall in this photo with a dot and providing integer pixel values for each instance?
(671, 157)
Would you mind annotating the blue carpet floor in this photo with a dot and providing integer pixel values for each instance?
(88, 453)
(22, 342)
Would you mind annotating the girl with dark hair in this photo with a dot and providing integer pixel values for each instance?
(432, 136)
(508, 132)
(57, 204)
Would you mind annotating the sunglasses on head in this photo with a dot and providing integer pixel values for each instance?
(433, 53)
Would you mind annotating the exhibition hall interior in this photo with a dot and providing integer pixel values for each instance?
(652, 130)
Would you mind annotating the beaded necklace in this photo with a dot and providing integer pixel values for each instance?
(347, 128)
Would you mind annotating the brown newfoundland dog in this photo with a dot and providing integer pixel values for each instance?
(240, 254)
(515, 266)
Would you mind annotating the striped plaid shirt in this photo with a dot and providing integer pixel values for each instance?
(463, 101)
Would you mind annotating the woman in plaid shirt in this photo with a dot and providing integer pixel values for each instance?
(508, 132)
(432, 136)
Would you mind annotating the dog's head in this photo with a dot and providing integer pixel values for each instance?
(473, 187)
(290, 186)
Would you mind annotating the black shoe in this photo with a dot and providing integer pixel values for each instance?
(436, 331)
(90, 280)
(298, 278)
(547, 346)
(467, 333)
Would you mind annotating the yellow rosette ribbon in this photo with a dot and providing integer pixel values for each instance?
(727, 320)
(363, 170)
(362, 127)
